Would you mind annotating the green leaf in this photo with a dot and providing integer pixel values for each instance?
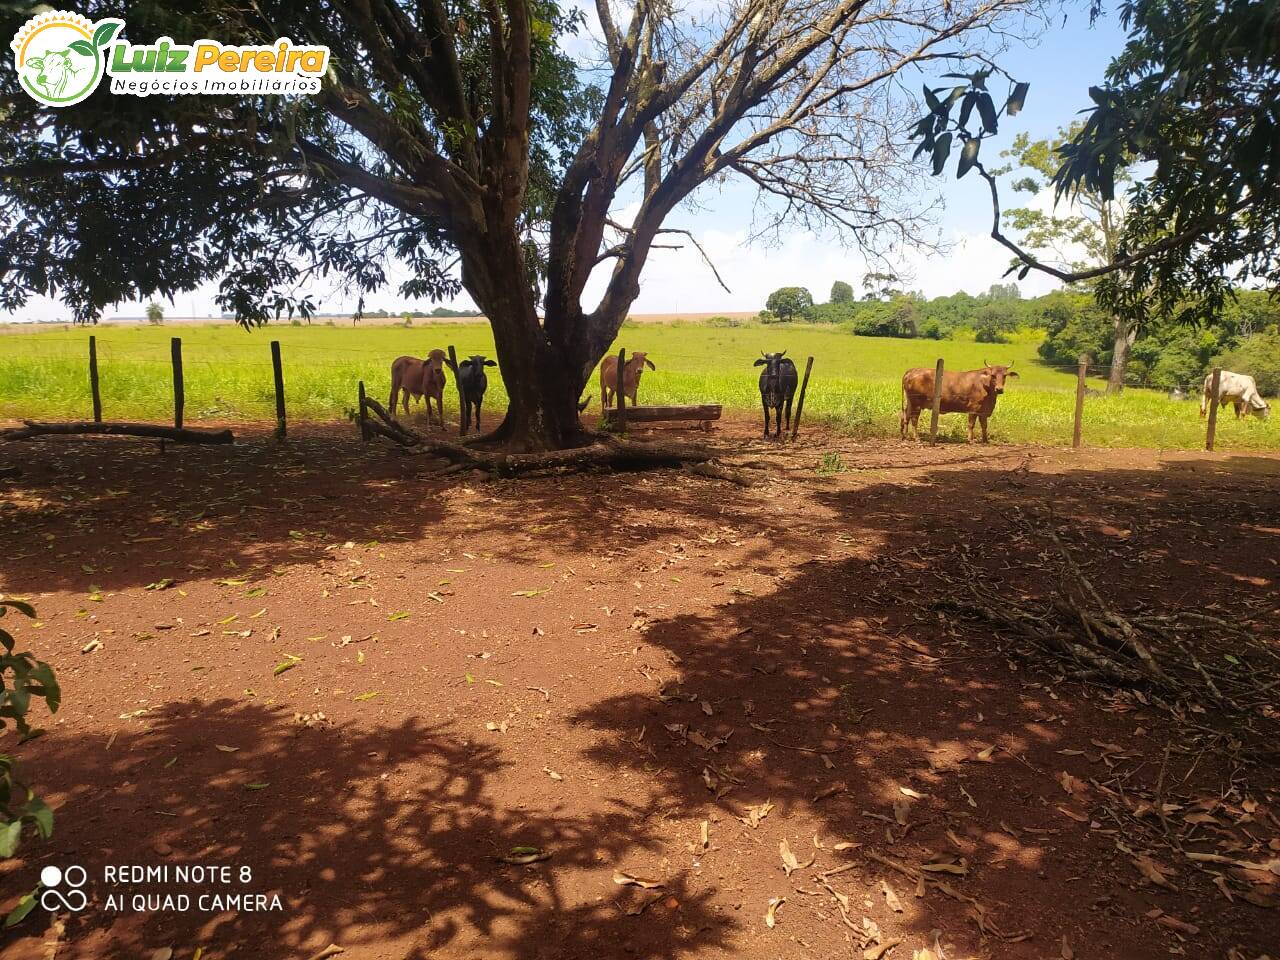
(24, 907)
(256, 786)
(932, 100)
(366, 696)
(10, 834)
(105, 33)
(284, 665)
(399, 615)
(968, 156)
(21, 606)
(40, 815)
(82, 47)
(941, 150)
(1018, 99)
(987, 111)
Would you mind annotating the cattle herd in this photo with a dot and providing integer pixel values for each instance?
(972, 392)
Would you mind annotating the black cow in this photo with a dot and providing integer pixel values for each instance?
(778, 382)
(472, 383)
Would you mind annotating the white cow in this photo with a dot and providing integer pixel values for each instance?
(1239, 390)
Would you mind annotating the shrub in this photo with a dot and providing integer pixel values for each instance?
(22, 678)
(1259, 357)
(155, 313)
(987, 333)
(719, 321)
(768, 316)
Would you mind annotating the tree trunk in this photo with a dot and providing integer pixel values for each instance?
(541, 377)
(1125, 334)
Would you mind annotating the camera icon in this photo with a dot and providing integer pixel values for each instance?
(62, 888)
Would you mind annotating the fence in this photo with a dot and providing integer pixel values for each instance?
(231, 375)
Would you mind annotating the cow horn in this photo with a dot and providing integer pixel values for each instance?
(984, 362)
(782, 354)
(1010, 367)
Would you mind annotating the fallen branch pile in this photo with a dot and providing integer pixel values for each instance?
(606, 452)
(1166, 654)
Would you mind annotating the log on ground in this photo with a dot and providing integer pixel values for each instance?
(33, 428)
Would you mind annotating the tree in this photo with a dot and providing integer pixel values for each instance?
(841, 292)
(1191, 99)
(155, 313)
(789, 302)
(1087, 233)
(449, 133)
(880, 286)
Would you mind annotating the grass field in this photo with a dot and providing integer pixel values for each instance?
(855, 380)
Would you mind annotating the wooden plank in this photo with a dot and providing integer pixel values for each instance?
(1215, 386)
(1077, 432)
(93, 379)
(937, 402)
(706, 411)
(804, 385)
(179, 395)
(277, 370)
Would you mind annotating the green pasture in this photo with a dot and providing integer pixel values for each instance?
(854, 386)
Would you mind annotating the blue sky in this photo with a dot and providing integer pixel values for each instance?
(1060, 65)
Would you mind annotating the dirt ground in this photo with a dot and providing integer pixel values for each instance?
(369, 686)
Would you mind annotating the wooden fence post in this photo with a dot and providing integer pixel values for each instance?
(1214, 387)
(179, 397)
(1078, 431)
(364, 426)
(804, 385)
(621, 397)
(277, 370)
(453, 365)
(93, 379)
(937, 402)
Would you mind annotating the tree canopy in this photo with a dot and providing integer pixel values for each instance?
(1191, 100)
(464, 141)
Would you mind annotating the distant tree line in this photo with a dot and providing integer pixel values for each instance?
(1244, 336)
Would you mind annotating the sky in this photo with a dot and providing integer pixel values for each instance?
(1060, 65)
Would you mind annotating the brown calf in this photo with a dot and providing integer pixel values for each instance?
(419, 378)
(972, 391)
(630, 377)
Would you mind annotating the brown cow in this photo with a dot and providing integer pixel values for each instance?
(971, 391)
(419, 378)
(630, 377)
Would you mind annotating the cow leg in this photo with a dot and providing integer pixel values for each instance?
(765, 406)
(915, 422)
(391, 404)
(984, 428)
(478, 402)
(788, 414)
(777, 420)
(973, 419)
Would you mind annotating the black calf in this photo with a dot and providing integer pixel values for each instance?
(472, 383)
(778, 382)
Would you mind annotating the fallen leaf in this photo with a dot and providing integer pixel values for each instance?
(552, 774)
(225, 749)
(890, 898)
(627, 880)
(519, 856)
(771, 915)
(879, 950)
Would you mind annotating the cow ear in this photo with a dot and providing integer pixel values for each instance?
(465, 363)
(491, 363)
(649, 363)
(760, 362)
(37, 62)
(1011, 373)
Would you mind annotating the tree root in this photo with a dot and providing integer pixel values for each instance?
(34, 428)
(604, 452)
